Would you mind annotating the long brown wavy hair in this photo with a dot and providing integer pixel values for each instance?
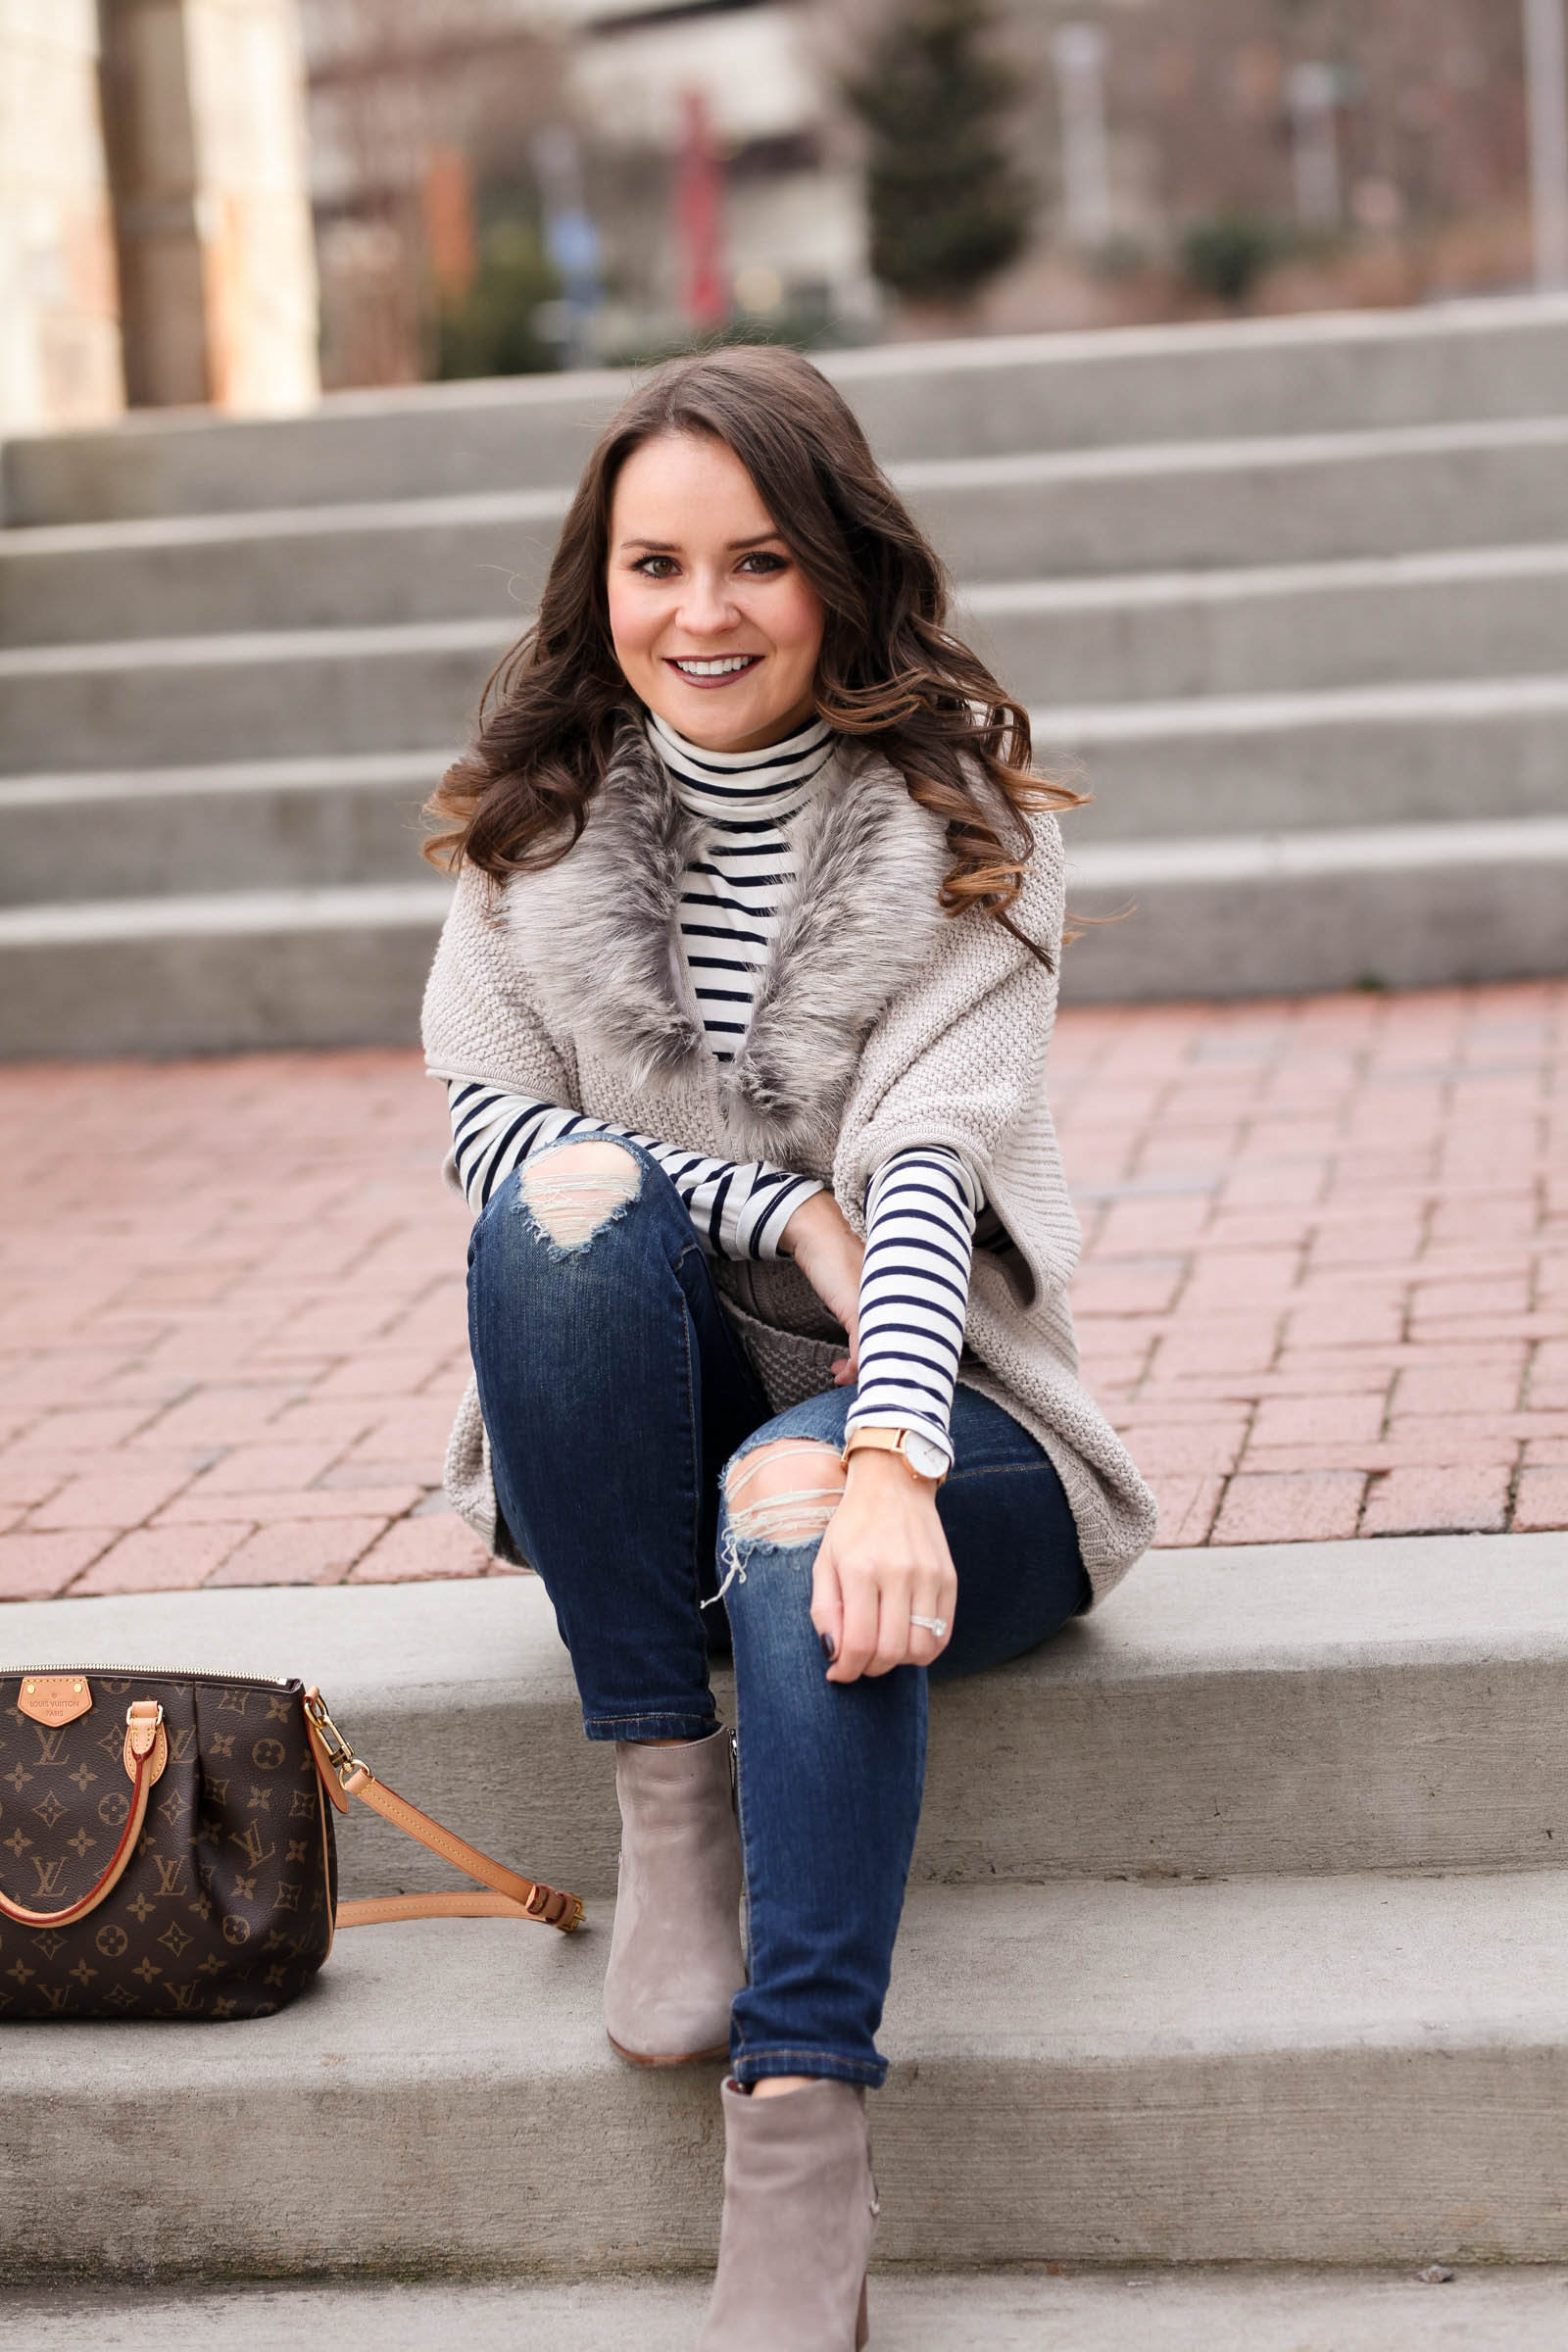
(890, 673)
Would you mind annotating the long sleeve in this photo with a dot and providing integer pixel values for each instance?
(738, 1210)
(914, 1289)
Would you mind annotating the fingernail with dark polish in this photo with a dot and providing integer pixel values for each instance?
(830, 1648)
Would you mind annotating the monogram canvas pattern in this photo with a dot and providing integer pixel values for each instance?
(226, 1908)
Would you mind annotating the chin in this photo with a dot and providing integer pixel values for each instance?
(700, 721)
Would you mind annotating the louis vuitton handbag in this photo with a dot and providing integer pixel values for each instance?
(167, 1845)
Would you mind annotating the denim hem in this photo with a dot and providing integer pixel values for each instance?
(649, 1727)
(758, 2064)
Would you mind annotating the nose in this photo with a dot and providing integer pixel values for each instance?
(706, 610)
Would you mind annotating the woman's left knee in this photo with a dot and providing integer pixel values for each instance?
(784, 1492)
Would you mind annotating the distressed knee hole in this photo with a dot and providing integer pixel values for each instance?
(785, 1492)
(576, 1190)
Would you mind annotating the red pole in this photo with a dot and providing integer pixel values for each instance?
(698, 197)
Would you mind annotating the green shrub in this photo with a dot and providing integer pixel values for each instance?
(948, 205)
(489, 330)
(1228, 253)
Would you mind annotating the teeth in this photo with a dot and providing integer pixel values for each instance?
(715, 670)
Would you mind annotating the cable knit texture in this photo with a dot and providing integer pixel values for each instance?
(881, 1024)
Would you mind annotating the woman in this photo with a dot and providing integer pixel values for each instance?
(741, 1006)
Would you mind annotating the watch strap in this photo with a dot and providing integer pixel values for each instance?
(883, 1440)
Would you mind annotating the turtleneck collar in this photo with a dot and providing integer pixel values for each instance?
(741, 784)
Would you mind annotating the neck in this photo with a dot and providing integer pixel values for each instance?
(789, 741)
(769, 783)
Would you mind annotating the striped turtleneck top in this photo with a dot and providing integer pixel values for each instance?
(922, 1203)
(742, 861)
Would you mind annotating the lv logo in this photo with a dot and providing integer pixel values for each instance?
(250, 1846)
(50, 1875)
(49, 1743)
(171, 1869)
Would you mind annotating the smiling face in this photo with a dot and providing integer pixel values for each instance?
(716, 626)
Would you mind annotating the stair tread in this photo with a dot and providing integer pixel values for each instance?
(1315, 850)
(1078, 1977)
(1349, 2070)
(332, 772)
(1184, 2310)
(1433, 701)
(1304, 1706)
(1395, 700)
(1214, 1609)
(1247, 582)
(985, 599)
(224, 913)
(1022, 469)
(236, 647)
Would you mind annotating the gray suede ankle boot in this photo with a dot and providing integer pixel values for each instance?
(675, 1962)
(800, 2206)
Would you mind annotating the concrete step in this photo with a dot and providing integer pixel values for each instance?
(294, 568)
(981, 397)
(260, 825)
(1242, 914)
(1160, 636)
(1351, 2070)
(1300, 1707)
(223, 971)
(1430, 753)
(1191, 504)
(306, 693)
(1442, 750)
(1293, 499)
(1292, 627)
(1218, 916)
(1022, 2309)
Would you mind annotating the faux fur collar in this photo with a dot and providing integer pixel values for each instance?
(598, 934)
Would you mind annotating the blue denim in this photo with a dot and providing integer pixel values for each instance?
(616, 1396)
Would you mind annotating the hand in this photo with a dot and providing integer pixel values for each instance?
(819, 1239)
(883, 1556)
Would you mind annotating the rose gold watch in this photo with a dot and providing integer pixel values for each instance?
(925, 1458)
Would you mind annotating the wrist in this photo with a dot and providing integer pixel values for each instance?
(817, 1209)
(885, 1472)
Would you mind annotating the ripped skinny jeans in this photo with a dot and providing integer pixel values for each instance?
(615, 1397)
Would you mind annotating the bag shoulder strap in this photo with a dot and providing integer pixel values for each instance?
(512, 1896)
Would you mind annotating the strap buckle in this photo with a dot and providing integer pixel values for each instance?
(339, 1755)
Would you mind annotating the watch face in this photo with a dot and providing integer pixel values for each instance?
(923, 1455)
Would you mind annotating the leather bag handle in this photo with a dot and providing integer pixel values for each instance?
(512, 1896)
(145, 1753)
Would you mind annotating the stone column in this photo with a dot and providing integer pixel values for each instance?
(1547, 82)
(59, 317)
(204, 116)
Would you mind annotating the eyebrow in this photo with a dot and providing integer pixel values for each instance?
(671, 547)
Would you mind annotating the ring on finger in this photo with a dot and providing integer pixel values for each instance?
(932, 1624)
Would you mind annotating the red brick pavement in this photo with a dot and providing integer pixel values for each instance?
(1324, 1289)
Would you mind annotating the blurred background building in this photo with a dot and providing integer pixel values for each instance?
(232, 201)
(155, 227)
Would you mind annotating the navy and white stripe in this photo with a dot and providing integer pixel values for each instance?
(923, 1202)
(741, 864)
(915, 1290)
(738, 1212)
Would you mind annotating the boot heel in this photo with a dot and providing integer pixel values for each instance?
(863, 2326)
